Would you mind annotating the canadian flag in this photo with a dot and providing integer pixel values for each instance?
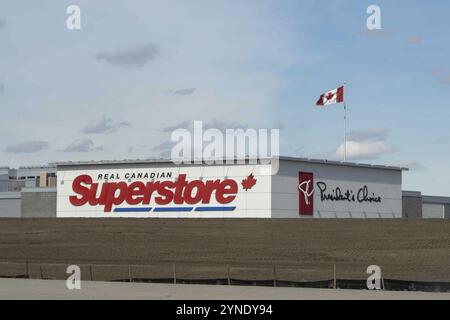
(331, 97)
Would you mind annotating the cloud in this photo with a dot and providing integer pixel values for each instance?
(104, 125)
(372, 134)
(184, 92)
(27, 147)
(165, 147)
(2, 23)
(441, 74)
(138, 148)
(2, 87)
(134, 57)
(164, 150)
(368, 144)
(211, 124)
(412, 165)
(82, 145)
(364, 150)
(182, 125)
(223, 125)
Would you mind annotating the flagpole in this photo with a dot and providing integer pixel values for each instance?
(345, 131)
(345, 123)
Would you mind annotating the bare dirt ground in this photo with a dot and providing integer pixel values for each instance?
(302, 250)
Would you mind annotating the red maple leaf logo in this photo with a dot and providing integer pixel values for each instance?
(249, 182)
(330, 96)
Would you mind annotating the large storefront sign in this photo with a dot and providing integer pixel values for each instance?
(93, 193)
(308, 190)
(162, 192)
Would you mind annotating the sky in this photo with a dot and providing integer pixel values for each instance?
(137, 69)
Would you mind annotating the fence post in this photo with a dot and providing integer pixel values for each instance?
(228, 275)
(174, 274)
(334, 277)
(27, 270)
(91, 272)
(274, 275)
(129, 273)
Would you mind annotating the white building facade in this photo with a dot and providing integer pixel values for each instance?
(285, 188)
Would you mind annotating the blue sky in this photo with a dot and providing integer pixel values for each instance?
(109, 90)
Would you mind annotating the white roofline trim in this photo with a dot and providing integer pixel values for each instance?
(153, 161)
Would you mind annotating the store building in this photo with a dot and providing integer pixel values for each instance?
(299, 188)
(285, 188)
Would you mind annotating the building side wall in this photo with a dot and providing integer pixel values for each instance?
(10, 205)
(433, 211)
(381, 182)
(412, 207)
(38, 203)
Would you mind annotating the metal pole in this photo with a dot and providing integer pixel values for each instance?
(274, 276)
(334, 277)
(174, 274)
(27, 269)
(345, 122)
(130, 277)
(345, 131)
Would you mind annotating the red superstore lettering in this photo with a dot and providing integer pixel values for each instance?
(164, 192)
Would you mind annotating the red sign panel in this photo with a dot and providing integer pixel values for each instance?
(306, 193)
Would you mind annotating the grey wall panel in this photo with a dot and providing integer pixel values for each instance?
(10, 205)
(433, 211)
(38, 204)
(412, 207)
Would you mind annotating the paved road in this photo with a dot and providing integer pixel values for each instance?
(56, 289)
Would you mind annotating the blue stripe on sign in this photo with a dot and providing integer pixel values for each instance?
(174, 209)
(132, 209)
(209, 209)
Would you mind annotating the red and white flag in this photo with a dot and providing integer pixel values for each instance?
(331, 97)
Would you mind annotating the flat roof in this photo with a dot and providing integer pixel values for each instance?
(10, 195)
(408, 193)
(50, 166)
(283, 158)
(38, 190)
(435, 200)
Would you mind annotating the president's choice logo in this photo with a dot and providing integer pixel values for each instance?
(306, 193)
(307, 188)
